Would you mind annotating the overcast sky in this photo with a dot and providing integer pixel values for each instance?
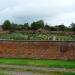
(51, 11)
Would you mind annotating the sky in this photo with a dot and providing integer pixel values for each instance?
(53, 12)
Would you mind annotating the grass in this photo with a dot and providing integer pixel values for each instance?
(43, 63)
(36, 62)
(36, 71)
(68, 73)
(52, 72)
(4, 74)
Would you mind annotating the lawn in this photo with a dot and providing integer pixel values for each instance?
(68, 73)
(4, 74)
(43, 63)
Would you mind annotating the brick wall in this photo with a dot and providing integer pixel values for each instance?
(37, 49)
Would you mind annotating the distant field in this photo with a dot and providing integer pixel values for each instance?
(43, 63)
(36, 36)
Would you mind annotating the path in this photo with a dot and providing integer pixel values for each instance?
(22, 70)
(37, 68)
(21, 73)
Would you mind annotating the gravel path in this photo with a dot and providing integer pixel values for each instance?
(22, 70)
(37, 68)
(21, 73)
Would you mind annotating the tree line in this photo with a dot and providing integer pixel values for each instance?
(8, 26)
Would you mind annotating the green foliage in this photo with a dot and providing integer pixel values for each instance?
(47, 27)
(68, 73)
(53, 28)
(6, 25)
(36, 62)
(73, 27)
(19, 27)
(37, 36)
(26, 26)
(60, 27)
(13, 27)
(37, 25)
(4, 74)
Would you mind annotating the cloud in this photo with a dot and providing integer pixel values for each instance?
(52, 11)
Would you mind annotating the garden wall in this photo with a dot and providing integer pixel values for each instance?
(38, 49)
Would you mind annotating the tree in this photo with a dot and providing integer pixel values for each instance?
(72, 26)
(26, 26)
(47, 27)
(19, 27)
(37, 25)
(6, 25)
(60, 27)
(53, 28)
(13, 27)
